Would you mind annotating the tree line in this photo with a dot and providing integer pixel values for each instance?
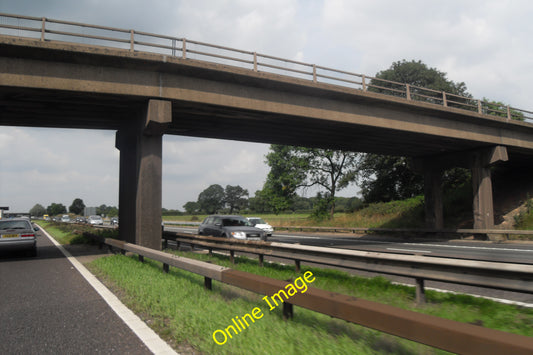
(77, 207)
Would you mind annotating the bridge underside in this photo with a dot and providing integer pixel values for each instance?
(144, 96)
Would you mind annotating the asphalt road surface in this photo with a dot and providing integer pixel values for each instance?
(47, 307)
(508, 252)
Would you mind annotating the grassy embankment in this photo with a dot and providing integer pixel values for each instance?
(177, 306)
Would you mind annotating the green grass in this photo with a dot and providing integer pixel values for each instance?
(65, 233)
(180, 309)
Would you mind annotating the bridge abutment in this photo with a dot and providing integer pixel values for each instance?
(140, 179)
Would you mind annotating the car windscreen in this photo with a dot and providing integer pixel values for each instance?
(235, 222)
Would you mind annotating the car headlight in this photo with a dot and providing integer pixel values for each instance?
(238, 235)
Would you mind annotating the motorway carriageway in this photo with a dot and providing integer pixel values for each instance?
(507, 252)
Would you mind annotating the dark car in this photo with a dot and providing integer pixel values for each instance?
(237, 227)
(18, 233)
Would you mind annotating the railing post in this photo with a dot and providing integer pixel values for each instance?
(261, 259)
(208, 283)
(420, 291)
(479, 107)
(288, 311)
(166, 268)
(43, 28)
(132, 40)
(297, 267)
(407, 92)
(232, 256)
(444, 102)
(255, 61)
(508, 112)
(184, 49)
(363, 79)
(173, 47)
(314, 73)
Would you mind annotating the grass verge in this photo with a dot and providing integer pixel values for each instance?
(182, 311)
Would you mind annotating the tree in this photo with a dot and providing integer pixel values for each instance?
(55, 209)
(297, 167)
(235, 197)
(287, 172)
(498, 108)
(416, 73)
(386, 178)
(191, 207)
(77, 206)
(37, 210)
(211, 199)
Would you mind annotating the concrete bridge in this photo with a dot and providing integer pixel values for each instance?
(143, 95)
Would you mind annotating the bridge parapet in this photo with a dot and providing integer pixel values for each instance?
(44, 29)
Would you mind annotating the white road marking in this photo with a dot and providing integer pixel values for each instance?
(409, 250)
(150, 338)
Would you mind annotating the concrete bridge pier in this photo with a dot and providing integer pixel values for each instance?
(480, 163)
(140, 142)
(433, 205)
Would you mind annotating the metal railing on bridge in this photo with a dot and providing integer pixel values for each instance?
(45, 29)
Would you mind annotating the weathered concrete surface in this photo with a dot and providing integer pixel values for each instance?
(140, 190)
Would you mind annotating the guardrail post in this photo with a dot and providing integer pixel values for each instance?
(444, 101)
(297, 265)
(288, 311)
(420, 291)
(184, 49)
(255, 61)
(43, 28)
(479, 107)
(363, 79)
(232, 256)
(141, 258)
(208, 283)
(166, 268)
(314, 73)
(407, 92)
(508, 112)
(261, 258)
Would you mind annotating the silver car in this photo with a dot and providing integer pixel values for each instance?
(231, 226)
(95, 220)
(18, 234)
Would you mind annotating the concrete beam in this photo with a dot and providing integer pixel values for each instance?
(140, 192)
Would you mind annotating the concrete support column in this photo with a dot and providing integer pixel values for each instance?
(140, 191)
(482, 184)
(433, 198)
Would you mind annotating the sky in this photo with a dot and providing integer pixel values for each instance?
(485, 44)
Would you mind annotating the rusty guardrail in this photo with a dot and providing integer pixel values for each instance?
(461, 338)
(45, 29)
(495, 275)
